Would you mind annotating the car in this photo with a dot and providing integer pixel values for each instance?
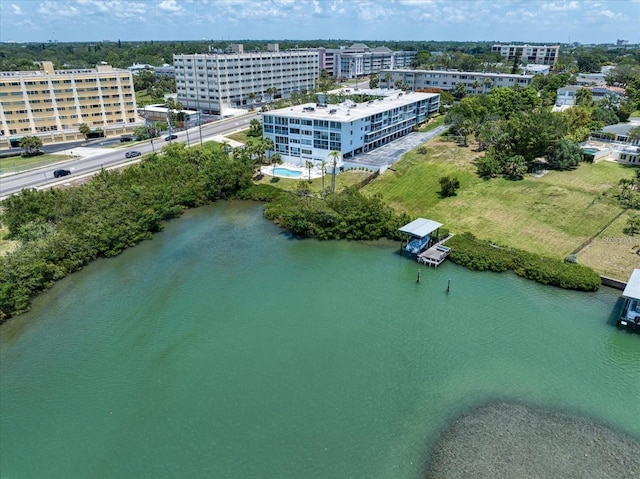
(132, 154)
(170, 137)
(61, 172)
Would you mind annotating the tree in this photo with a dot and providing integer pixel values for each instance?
(374, 81)
(633, 227)
(309, 165)
(515, 167)
(141, 133)
(252, 97)
(460, 90)
(488, 82)
(476, 85)
(488, 167)
(564, 155)
(334, 156)
(584, 97)
(85, 130)
(255, 128)
(276, 159)
(604, 116)
(323, 165)
(634, 133)
(387, 79)
(448, 186)
(272, 91)
(161, 126)
(30, 145)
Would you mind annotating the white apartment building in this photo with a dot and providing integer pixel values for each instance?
(37, 102)
(310, 132)
(360, 60)
(215, 82)
(474, 82)
(541, 54)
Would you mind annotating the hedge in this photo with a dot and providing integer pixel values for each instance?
(480, 255)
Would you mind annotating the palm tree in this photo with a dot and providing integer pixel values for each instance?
(387, 78)
(476, 85)
(255, 127)
(487, 82)
(309, 165)
(323, 165)
(335, 155)
(276, 159)
(252, 97)
(84, 129)
(272, 91)
(267, 144)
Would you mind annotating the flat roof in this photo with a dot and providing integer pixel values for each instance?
(343, 112)
(632, 290)
(458, 72)
(420, 227)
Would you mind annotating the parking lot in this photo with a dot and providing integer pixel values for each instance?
(392, 152)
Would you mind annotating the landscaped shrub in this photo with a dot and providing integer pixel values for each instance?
(473, 253)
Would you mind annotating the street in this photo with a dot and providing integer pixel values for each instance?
(41, 177)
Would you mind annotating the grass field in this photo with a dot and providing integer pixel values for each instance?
(551, 215)
(343, 180)
(242, 137)
(15, 164)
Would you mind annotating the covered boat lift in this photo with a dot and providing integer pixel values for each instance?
(630, 317)
(420, 235)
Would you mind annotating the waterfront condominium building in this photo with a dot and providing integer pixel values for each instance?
(310, 132)
(36, 102)
(215, 82)
(360, 60)
(541, 54)
(446, 80)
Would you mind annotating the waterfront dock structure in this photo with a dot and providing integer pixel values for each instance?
(436, 254)
(630, 317)
(421, 235)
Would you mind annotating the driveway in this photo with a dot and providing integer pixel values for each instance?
(390, 153)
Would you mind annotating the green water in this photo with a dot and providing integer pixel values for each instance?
(223, 348)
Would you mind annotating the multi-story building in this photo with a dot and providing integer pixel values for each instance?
(215, 82)
(310, 132)
(446, 80)
(36, 102)
(360, 60)
(541, 54)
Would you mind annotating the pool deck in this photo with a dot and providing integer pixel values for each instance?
(316, 172)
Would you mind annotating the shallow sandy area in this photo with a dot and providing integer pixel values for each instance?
(515, 441)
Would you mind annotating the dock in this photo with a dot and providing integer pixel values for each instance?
(436, 254)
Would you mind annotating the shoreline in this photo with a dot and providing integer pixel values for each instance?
(510, 440)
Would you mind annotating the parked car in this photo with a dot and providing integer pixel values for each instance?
(132, 154)
(170, 137)
(59, 173)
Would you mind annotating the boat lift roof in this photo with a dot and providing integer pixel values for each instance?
(420, 227)
(632, 290)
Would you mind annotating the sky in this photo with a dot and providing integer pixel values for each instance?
(533, 21)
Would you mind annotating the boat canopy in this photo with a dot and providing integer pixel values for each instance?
(632, 290)
(420, 228)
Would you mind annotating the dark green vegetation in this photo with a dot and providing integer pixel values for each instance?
(468, 251)
(60, 230)
(520, 135)
(346, 215)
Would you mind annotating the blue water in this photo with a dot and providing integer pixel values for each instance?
(286, 172)
(224, 348)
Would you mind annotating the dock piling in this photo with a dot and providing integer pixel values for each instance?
(418, 280)
(448, 285)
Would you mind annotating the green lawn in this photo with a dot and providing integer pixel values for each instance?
(636, 114)
(343, 180)
(551, 215)
(16, 164)
(433, 124)
(242, 136)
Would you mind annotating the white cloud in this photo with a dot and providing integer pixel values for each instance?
(170, 6)
(16, 9)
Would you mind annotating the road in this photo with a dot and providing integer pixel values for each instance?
(41, 177)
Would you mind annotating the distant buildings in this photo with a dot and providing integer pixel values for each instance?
(310, 132)
(360, 60)
(474, 82)
(45, 101)
(219, 82)
(540, 54)
(535, 69)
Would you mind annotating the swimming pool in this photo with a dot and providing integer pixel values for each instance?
(286, 172)
(590, 151)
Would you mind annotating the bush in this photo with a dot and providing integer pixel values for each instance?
(468, 251)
